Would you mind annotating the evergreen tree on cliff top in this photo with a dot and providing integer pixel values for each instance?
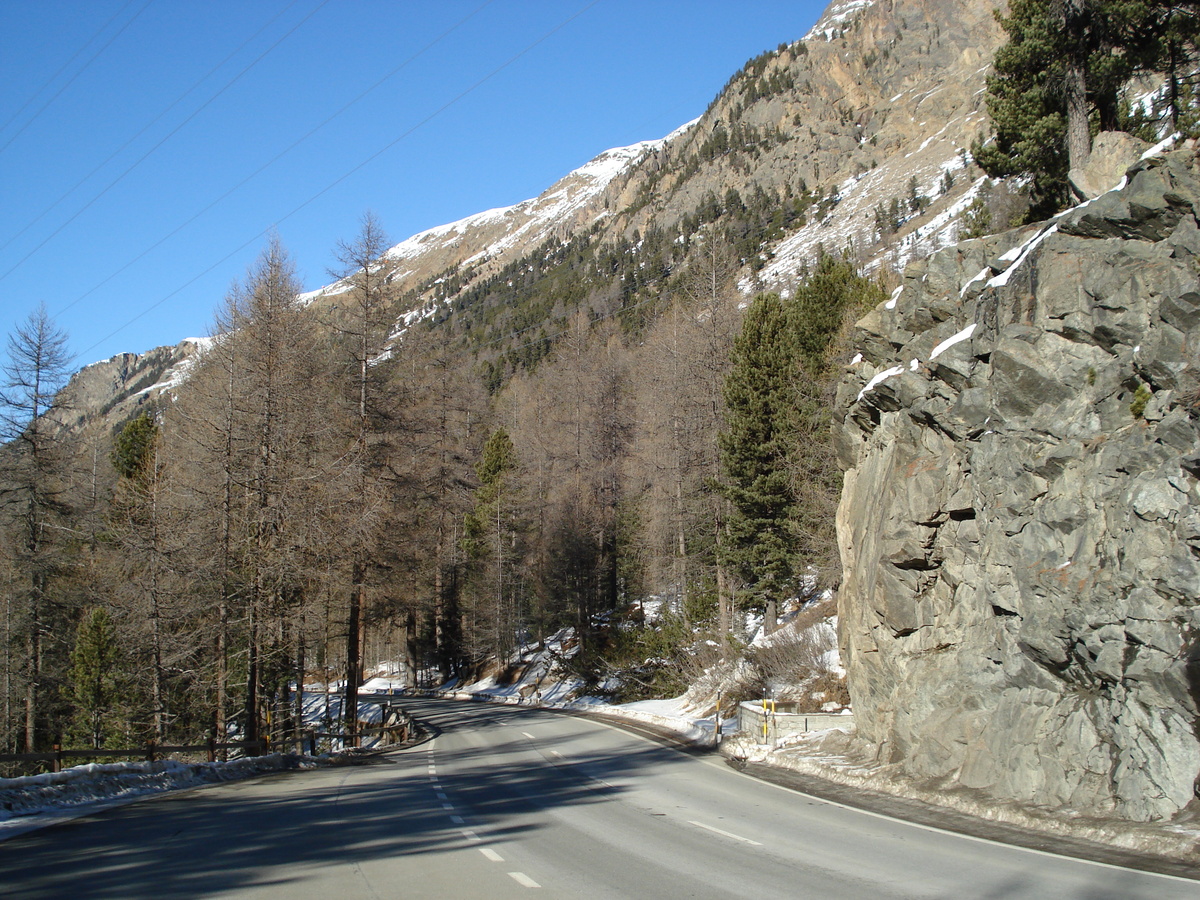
(1059, 79)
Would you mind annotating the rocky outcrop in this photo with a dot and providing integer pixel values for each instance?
(111, 391)
(1019, 525)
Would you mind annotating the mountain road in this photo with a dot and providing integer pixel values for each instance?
(500, 802)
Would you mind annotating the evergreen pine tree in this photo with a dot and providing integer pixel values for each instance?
(491, 543)
(94, 675)
(1060, 75)
(1026, 104)
(133, 448)
(755, 451)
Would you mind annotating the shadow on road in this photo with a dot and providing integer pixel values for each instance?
(276, 829)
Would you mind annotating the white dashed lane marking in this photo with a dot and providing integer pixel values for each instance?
(728, 834)
(491, 854)
(524, 880)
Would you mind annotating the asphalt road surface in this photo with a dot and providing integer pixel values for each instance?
(503, 802)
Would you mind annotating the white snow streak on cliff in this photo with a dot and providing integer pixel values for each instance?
(835, 17)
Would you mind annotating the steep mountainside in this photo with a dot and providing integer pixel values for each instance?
(875, 106)
(872, 111)
(1019, 524)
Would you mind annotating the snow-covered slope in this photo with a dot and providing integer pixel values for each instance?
(489, 239)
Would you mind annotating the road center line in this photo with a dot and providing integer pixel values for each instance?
(491, 854)
(524, 880)
(728, 834)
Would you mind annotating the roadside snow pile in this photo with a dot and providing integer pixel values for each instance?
(675, 715)
(536, 677)
(100, 785)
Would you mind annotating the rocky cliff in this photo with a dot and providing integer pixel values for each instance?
(1019, 525)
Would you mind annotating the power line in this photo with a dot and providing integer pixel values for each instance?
(71, 80)
(49, 81)
(147, 127)
(168, 136)
(268, 164)
(347, 174)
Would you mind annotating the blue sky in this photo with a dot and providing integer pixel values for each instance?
(127, 129)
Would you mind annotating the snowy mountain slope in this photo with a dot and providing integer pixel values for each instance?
(488, 240)
(876, 99)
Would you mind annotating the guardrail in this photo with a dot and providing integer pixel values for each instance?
(766, 724)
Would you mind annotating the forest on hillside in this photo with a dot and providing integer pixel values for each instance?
(309, 502)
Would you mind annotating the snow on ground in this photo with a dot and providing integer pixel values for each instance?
(35, 801)
(839, 756)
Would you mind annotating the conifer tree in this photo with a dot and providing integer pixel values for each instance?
(94, 662)
(362, 331)
(1059, 77)
(32, 491)
(491, 541)
(755, 450)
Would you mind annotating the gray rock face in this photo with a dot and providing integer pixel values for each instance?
(1019, 525)
(1112, 153)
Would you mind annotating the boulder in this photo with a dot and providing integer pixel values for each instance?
(1113, 152)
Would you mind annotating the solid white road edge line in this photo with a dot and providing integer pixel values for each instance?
(722, 767)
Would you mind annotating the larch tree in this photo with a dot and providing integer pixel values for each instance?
(493, 541)
(440, 429)
(362, 327)
(32, 488)
(140, 530)
(276, 421)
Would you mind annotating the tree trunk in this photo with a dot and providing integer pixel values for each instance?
(353, 659)
(1079, 135)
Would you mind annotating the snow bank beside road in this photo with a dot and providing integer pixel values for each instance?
(34, 801)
